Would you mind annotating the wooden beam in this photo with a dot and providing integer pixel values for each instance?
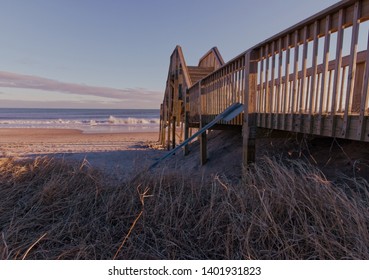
(313, 87)
(352, 68)
(324, 85)
(249, 125)
(293, 96)
(337, 72)
(364, 98)
(186, 121)
(174, 132)
(303, 88)
(286, 90)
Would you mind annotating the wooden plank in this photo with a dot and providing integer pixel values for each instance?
(266, 110)
(186, 150)
(324, 88)
(240, 88)
(261, 90)
(287, 83)
(249, 124)
(303, 87)
(293, 96)
(174, 132)
(337, 71)
(279, 89)
(352, 69)
(272, 89)
(313, 88)
(203, 147)
(364, 98)
(340, 108)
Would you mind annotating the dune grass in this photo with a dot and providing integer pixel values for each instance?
(50, 209)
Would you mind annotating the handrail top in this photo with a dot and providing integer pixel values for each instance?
(320, 15)
(217, 54)
(178, 49)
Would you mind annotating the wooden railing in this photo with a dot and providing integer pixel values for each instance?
(300, 79)
(300, 89)
(193, 104)
(171, 111)
(221, 89)
(311, 78)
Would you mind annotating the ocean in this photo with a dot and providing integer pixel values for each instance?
(87, 120)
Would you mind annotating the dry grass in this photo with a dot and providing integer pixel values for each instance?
(53, 210)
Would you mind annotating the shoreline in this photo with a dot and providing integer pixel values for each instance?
(118, 154)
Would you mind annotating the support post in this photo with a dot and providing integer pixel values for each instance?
(169, 132)
(203, 147)
(161, 124)
(249, 122)
(203, 138)
(186, 128)
(174, 132)
(186, 134)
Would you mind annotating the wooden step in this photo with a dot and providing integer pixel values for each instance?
(197, 73)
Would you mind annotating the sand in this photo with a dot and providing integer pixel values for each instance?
(122, 155)
(117, 154)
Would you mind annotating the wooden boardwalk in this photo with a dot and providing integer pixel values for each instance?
(312, 78)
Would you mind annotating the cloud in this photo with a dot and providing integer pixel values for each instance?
(14, 80)
(88, 104)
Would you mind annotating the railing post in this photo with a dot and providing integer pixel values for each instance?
(160, 124)
(186, 128)
(174, 132)
(249, 121)
(203, 137)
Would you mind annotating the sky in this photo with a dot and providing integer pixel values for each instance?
(114, 54)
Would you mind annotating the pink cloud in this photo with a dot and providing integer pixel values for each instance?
(14, 80)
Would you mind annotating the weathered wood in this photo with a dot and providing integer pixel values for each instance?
(261, 88)
(279, 84)
(267, 91)
(212, 58)
(352, 69)
(272, 85)
(329, 99)
(174, 132)
(303, 87)
(337, 71)
(313, 89)
(364, 98)
(295, 90)
(249, 125)
(286, 84)
(203, 147)
(324, 91)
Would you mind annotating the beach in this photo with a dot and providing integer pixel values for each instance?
(118, 154)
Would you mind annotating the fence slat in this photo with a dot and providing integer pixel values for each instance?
(364, 95)
(313, 87)
(337, 73)
(287, 83)
(325, 87)
(352, 70)
(295, 87)
(272, 91)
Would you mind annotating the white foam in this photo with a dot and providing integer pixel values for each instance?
(112, 124)
(115, 120)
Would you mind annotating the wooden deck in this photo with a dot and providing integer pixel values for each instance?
(312, 78)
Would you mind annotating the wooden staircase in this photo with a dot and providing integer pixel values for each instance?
(197, 73)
